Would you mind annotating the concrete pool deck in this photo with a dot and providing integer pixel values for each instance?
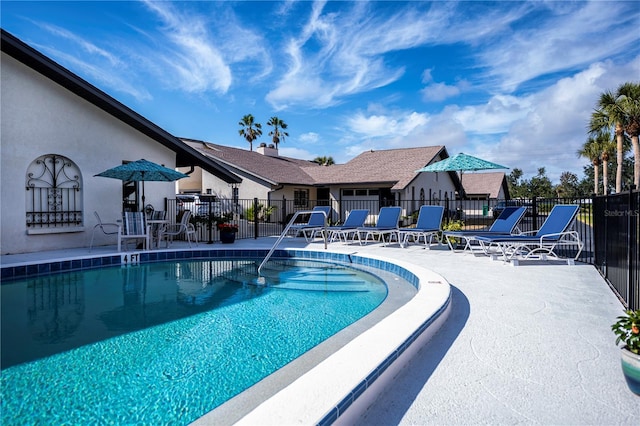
(529, 344)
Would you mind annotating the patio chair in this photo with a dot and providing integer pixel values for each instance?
(541, 244)
(427, 226)
(314, 223)
(505, 224)
(183, 227)
(106, 228)
(134, 227)
(387, 226)
(158, 222)
(354, 220)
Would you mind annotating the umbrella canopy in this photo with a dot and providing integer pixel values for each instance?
(141, 171)
(461, 163)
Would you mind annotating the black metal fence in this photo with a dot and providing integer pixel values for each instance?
(608, 226)
(616, 222)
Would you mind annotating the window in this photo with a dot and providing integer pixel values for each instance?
(301, 198)
(53, 193)
(360, 192)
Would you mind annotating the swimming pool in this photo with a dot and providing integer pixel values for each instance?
(341, 379)
(165, 342)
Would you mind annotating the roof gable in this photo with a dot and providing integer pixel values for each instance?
(396, 166)
(185, 155)
(484, 183)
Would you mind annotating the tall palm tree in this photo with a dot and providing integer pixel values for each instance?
(592, 150)
(610, 116)
(608, 146)
(250, 129)
(629, 94)
(278, 133)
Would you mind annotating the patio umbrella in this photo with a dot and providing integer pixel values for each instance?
(141, 171)
(461, 163)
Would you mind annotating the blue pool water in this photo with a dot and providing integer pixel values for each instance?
(164, 343)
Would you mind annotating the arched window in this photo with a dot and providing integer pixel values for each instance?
(54, 193)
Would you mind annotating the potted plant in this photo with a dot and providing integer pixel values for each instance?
(227, 232)
(627, 330)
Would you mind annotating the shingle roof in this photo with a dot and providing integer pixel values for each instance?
(276, 170)
(483, 183)
(397, 166)
(393, 166)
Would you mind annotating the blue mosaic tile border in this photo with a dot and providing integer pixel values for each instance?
(27, 271)
(346, 402)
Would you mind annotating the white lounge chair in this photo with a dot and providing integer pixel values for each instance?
(505, 224)
(541, 244)
(427, 226)
(387, 226)
(354, 220)
(315, 222)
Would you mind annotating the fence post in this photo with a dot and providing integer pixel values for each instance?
(284, 213)
(209, 220)
(256, 228)
(633, 247)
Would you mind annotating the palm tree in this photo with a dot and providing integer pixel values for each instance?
(610, 115)
(620, 112)
(592, 150)
(278, 133)
(608, 147)
(324, 161)
(629, 94)
(250, 130)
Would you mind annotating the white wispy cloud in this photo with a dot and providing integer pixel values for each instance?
(95, 63)
(575, 35)
(191, 57)
(341, 53)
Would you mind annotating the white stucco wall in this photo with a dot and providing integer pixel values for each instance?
(40, 117)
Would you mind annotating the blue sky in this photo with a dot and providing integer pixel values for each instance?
(513, 82)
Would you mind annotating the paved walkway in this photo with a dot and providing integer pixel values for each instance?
(522, 345)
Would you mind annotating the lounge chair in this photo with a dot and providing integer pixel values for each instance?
(134, 227)
(387, 226)
(541, 244)
(315, 222)
(505, 224)
(354, 220)
(427, 226)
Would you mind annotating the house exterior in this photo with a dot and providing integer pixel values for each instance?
(56, 132)
(373, 178)
(485, 186)
(482, 189)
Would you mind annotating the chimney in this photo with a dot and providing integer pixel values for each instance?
(270, 151)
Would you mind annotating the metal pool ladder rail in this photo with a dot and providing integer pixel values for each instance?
(286, 229)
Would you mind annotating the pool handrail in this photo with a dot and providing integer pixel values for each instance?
(286, 230)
